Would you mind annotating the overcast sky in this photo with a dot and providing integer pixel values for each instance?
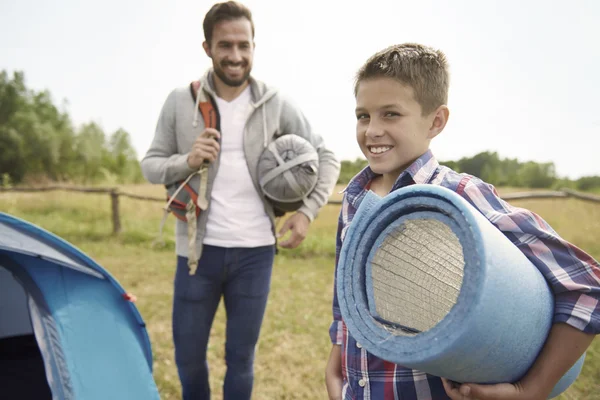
(524, 73)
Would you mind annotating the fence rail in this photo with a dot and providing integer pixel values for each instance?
(115, 193)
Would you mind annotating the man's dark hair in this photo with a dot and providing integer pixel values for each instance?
(226, 11)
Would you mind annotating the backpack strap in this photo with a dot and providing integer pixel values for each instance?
(205, 105)
(197, 201)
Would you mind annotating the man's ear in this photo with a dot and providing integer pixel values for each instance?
(438, 123)
(206, 47)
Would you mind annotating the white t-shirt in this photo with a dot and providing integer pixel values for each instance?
(237, 217)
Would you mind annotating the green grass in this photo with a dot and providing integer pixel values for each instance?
(294, 343)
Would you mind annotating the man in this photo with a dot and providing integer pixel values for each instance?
(235, 236)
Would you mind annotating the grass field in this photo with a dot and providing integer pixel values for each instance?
(294, 343)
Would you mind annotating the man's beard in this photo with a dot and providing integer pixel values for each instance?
(219, 70)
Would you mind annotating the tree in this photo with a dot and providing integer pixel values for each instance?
(92, 153)
(535, 175)
(350, 168)
(12, 158)
(475, 165)
(11, 164)
(39, 136)
(588, 183)
(123, 162)
(12, 94)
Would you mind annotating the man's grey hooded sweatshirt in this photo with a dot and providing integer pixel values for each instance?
(272, 116)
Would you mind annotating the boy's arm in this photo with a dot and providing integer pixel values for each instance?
(333, 371)
(574, 278)
(162, 164)
(562, 349)
(335, 330)
(572, 274)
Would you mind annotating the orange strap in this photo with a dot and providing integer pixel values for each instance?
(209, 114)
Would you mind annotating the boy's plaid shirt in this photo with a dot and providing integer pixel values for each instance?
(573, 275)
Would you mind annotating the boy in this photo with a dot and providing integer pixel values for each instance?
(401, 95)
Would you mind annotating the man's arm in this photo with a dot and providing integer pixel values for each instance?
(162, 163)
(293, 121)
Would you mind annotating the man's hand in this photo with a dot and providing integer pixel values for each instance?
(298, 225)
(333, 373)
(206, 147)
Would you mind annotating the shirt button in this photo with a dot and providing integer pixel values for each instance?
(362, 383)
(359, 345)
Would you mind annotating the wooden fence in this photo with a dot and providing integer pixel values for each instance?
(114, 194)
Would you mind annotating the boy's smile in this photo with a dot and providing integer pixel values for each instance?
(390, 129)
(377, 150)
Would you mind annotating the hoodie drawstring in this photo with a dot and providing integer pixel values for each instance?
(195, 121)
(265, 130)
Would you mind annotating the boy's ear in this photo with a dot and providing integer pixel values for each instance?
(438, 123)
(206, 47)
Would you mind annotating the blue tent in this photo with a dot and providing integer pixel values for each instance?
(67, 329)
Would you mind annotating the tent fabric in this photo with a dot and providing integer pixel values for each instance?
(93, 342)
(14, 314)
(425, 280)
(22, 374)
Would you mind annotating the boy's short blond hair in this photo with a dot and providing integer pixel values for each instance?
(422, 68)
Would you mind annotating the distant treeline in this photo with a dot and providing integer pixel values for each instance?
(38, 142)
(499, 172)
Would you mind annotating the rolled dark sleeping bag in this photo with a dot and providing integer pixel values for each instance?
(427, 282)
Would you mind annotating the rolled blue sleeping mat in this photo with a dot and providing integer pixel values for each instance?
(427, 282)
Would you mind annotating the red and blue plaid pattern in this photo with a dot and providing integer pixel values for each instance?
(573, 276)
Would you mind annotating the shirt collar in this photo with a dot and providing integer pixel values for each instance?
(421, 171)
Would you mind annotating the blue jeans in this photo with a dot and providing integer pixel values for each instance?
(243, 277)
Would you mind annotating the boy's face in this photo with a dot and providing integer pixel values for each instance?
(390, 129)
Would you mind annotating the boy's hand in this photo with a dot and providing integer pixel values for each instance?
(206, 147)
(333, 373)
(501, 391)
(562, 349)
(298, 224)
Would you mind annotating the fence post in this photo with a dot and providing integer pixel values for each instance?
(116, 219)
